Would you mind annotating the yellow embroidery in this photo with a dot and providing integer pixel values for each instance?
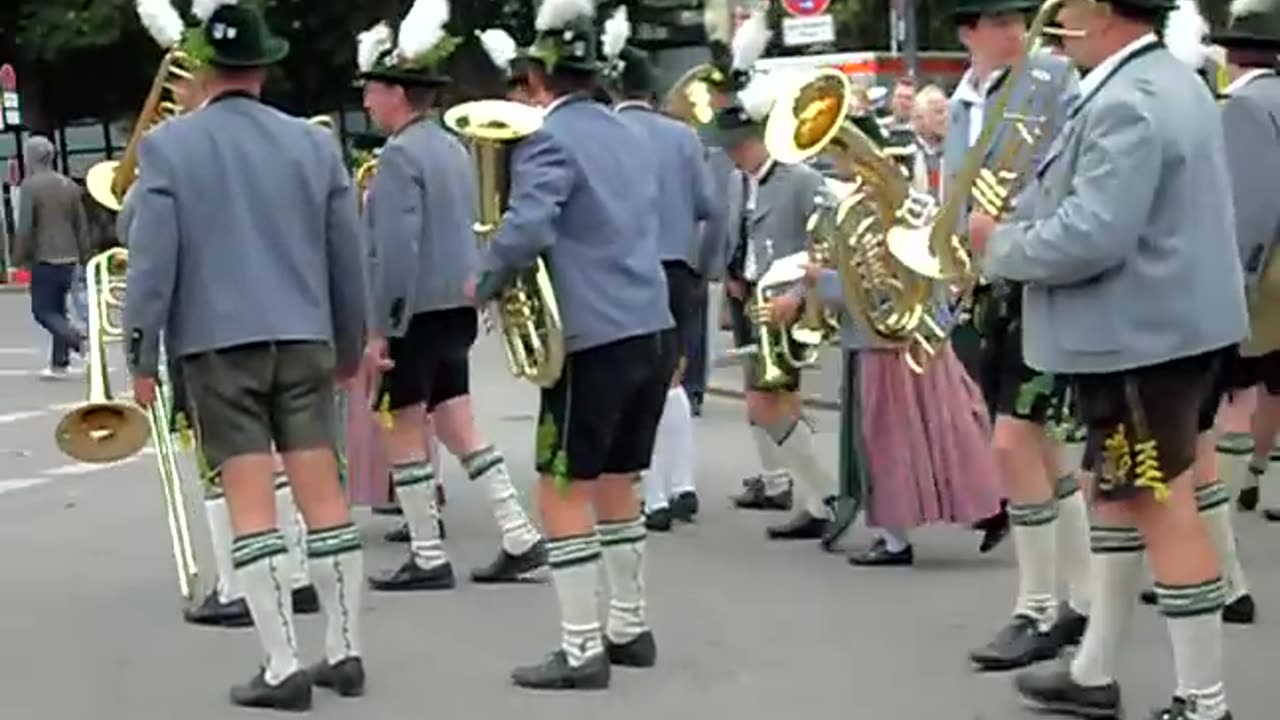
(1147, 473)
(385, 418)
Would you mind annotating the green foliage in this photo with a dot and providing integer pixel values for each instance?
(48, 28)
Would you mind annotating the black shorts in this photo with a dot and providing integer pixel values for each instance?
(1219, 388)
(245, 400)
(1241, 373)
(602, 416)
(1012, 387)
(1143, 423)
(744, 333)
(683, 288)
(431, 365)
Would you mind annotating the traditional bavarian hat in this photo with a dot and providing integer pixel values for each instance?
(744, 117)
(627, 69)
(566, 36)
(232, 36)
(731, 63)
(413, 55)
(977, 8)
(1255, 25)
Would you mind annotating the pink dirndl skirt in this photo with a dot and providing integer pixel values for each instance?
(368, 475)
(927, 443)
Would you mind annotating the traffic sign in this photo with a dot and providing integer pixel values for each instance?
(8, 78)
(806, 8)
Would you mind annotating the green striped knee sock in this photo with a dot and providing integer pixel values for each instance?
(258, 560)
(488, 466)
(575, 572)
(1214, 503)
(220, 536)
(1117, 571)
(1035, 532)
(294, 531)
(337, 565)
(623, 547)
(1073, 542)
(1194, 615)
(416, 491)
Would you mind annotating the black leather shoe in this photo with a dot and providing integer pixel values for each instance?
(695, 403)
(1247, 500)
(753, 497)
(640, 652)
(1148, 597)
(1271, 514)
(684, 507)
(658, 520)
(305, 600)
(878, 555)
(555, 673)
(1068, 628)
(843, 512)
(801, 526)
(994, 530)
(213, 612)
(411, 576)
(508, 568)
(401, 534)
(389, 509)
(1056, 692)
(1017, 645)
(1177, 710)
(1240, 611)
(293, 694)
(345, 677)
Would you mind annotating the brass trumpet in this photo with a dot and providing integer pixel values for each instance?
(532, 331)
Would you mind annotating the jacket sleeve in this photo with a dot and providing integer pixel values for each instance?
(153, 259)
(542, 178)
(349, 301)
(396, 224)
(1097, 225)
(1253, 161)
(80, 221)
(24, 234)
(709, 213)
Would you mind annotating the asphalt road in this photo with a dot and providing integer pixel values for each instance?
(90, 626)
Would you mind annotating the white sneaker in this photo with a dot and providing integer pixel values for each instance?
(54, 373)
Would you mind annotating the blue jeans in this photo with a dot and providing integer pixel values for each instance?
(79, 298)
(49, 287)
(695, 373)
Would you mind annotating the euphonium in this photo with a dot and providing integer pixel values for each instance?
(109, 180)
(104, 429)
(689, 99)
(895, 304)
(527, 309)
(363, 177)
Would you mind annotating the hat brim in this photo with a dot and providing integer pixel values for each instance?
(405, 78)
(729, 138)
(274, 50)
(1146, 4)
(994, 8)
(1244, 40)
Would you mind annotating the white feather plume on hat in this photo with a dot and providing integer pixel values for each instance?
(1184, 31)
(162, 20)
(759, 95)
(422, 27)
(203, 9)
(553, 14)
(370, 45)
(750, 41)
(715, 20)
(617, 31)
(499, 46)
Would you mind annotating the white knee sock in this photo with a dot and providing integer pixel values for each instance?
(575, 573)
(416, 492)
(684, 450)
(294, 531)
(774, 474)
(1073, 554)
(1117, 572)
(488, 467)
(895, 541)
(259, 561)
(1035, 542)
(1194, 615)
(622, 544)
(657, 479)
(1214, 502)
(337, 564)
(795, 449)
(220, 537)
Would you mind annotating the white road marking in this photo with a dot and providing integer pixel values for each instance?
(20, 415)
(86, 468)
(19, 351)
(9, 485)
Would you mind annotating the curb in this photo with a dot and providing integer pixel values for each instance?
(13, 288)
(807, 400)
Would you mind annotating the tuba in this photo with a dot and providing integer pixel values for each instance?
(109, 180)
(527, 309)
(811, 117)
(689, 99)
(104, 429)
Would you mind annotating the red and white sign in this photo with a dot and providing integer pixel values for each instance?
(12, 173)
(806, 8)
(8, 78)
(10, 104)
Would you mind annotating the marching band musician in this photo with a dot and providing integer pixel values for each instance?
(780, 200)
(1249, 115)
(419, 217)
(1046, 508)
(1132, 288)
(288, 232)
(225, 604)
(582, 198)
(683, 202)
